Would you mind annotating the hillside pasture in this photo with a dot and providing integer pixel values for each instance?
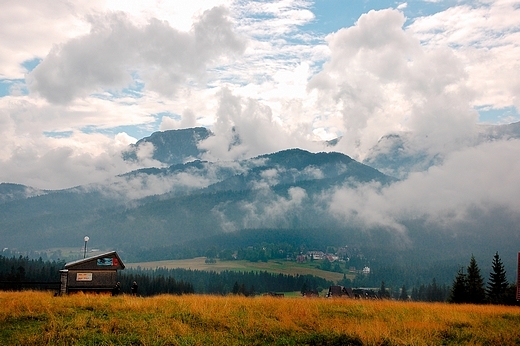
(273, 266)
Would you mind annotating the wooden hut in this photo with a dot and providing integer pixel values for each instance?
(92, 274)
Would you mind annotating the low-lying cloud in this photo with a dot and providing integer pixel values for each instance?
(481, 178)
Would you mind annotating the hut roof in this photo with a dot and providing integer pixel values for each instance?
(110, 254)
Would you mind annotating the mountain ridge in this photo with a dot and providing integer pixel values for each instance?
(263, 180)
(171, 146)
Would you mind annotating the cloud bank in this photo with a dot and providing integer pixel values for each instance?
(479, 178)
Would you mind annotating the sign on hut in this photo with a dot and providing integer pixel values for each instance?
(93, 274)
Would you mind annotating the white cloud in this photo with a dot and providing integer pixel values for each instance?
(179, 15)
(270, 210)
(480, 178)
(57, 165)
(245, 128)
(138, 186)
(124, 140)
(39, 150)
(380, 79)
(485, 36)
(274, 18)
(30, 27)
(115, 48)
(23, 20)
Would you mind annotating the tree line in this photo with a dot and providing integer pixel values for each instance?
(153, 281)
(431, 292)
(469, 286)
(22, 273)
(149, 284)
(18, 273)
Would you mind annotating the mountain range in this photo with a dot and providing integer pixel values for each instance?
(284, 196)
(202, 199)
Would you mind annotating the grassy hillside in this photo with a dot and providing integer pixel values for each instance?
(38, 318)
(283, 267)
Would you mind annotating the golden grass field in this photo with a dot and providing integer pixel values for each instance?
(39, 318)
(272, 266)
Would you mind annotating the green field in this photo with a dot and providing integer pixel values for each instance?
(275, 266)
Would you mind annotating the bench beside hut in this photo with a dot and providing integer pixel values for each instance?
(93, 274)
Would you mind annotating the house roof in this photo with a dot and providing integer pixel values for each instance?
(101, 255)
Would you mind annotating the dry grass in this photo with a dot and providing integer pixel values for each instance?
(36, 318)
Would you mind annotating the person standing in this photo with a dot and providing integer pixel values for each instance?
(133, 288)
(117, 289)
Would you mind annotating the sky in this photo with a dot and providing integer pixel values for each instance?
(81, 80)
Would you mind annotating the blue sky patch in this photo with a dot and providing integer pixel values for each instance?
(10, 86)
(58, 134)
(498, 116)
(30, 65)
(136, 131)
(5, 85)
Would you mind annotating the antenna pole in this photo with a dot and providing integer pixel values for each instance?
(85, 250)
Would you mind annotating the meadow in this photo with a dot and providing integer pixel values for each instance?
(39, 318)
(272, 266)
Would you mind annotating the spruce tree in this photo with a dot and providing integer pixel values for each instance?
(236, 288)
(383, 292)
(459, 289)
(476, 291)
(404, 294)
(510, 295)
(304, 288)
(497, 284)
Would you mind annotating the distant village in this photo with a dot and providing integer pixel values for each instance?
(340, 256)
(345, 259)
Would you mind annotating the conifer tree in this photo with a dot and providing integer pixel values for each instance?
(510, 295)
(434, 293)
(242, 290)
(304, 288)
(459, 289)
(476, 291)
(383, 292)
(497, 284)
(415, 294)
(236, 288)
(404, 294)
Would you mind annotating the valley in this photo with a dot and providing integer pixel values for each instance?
(273, 266)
